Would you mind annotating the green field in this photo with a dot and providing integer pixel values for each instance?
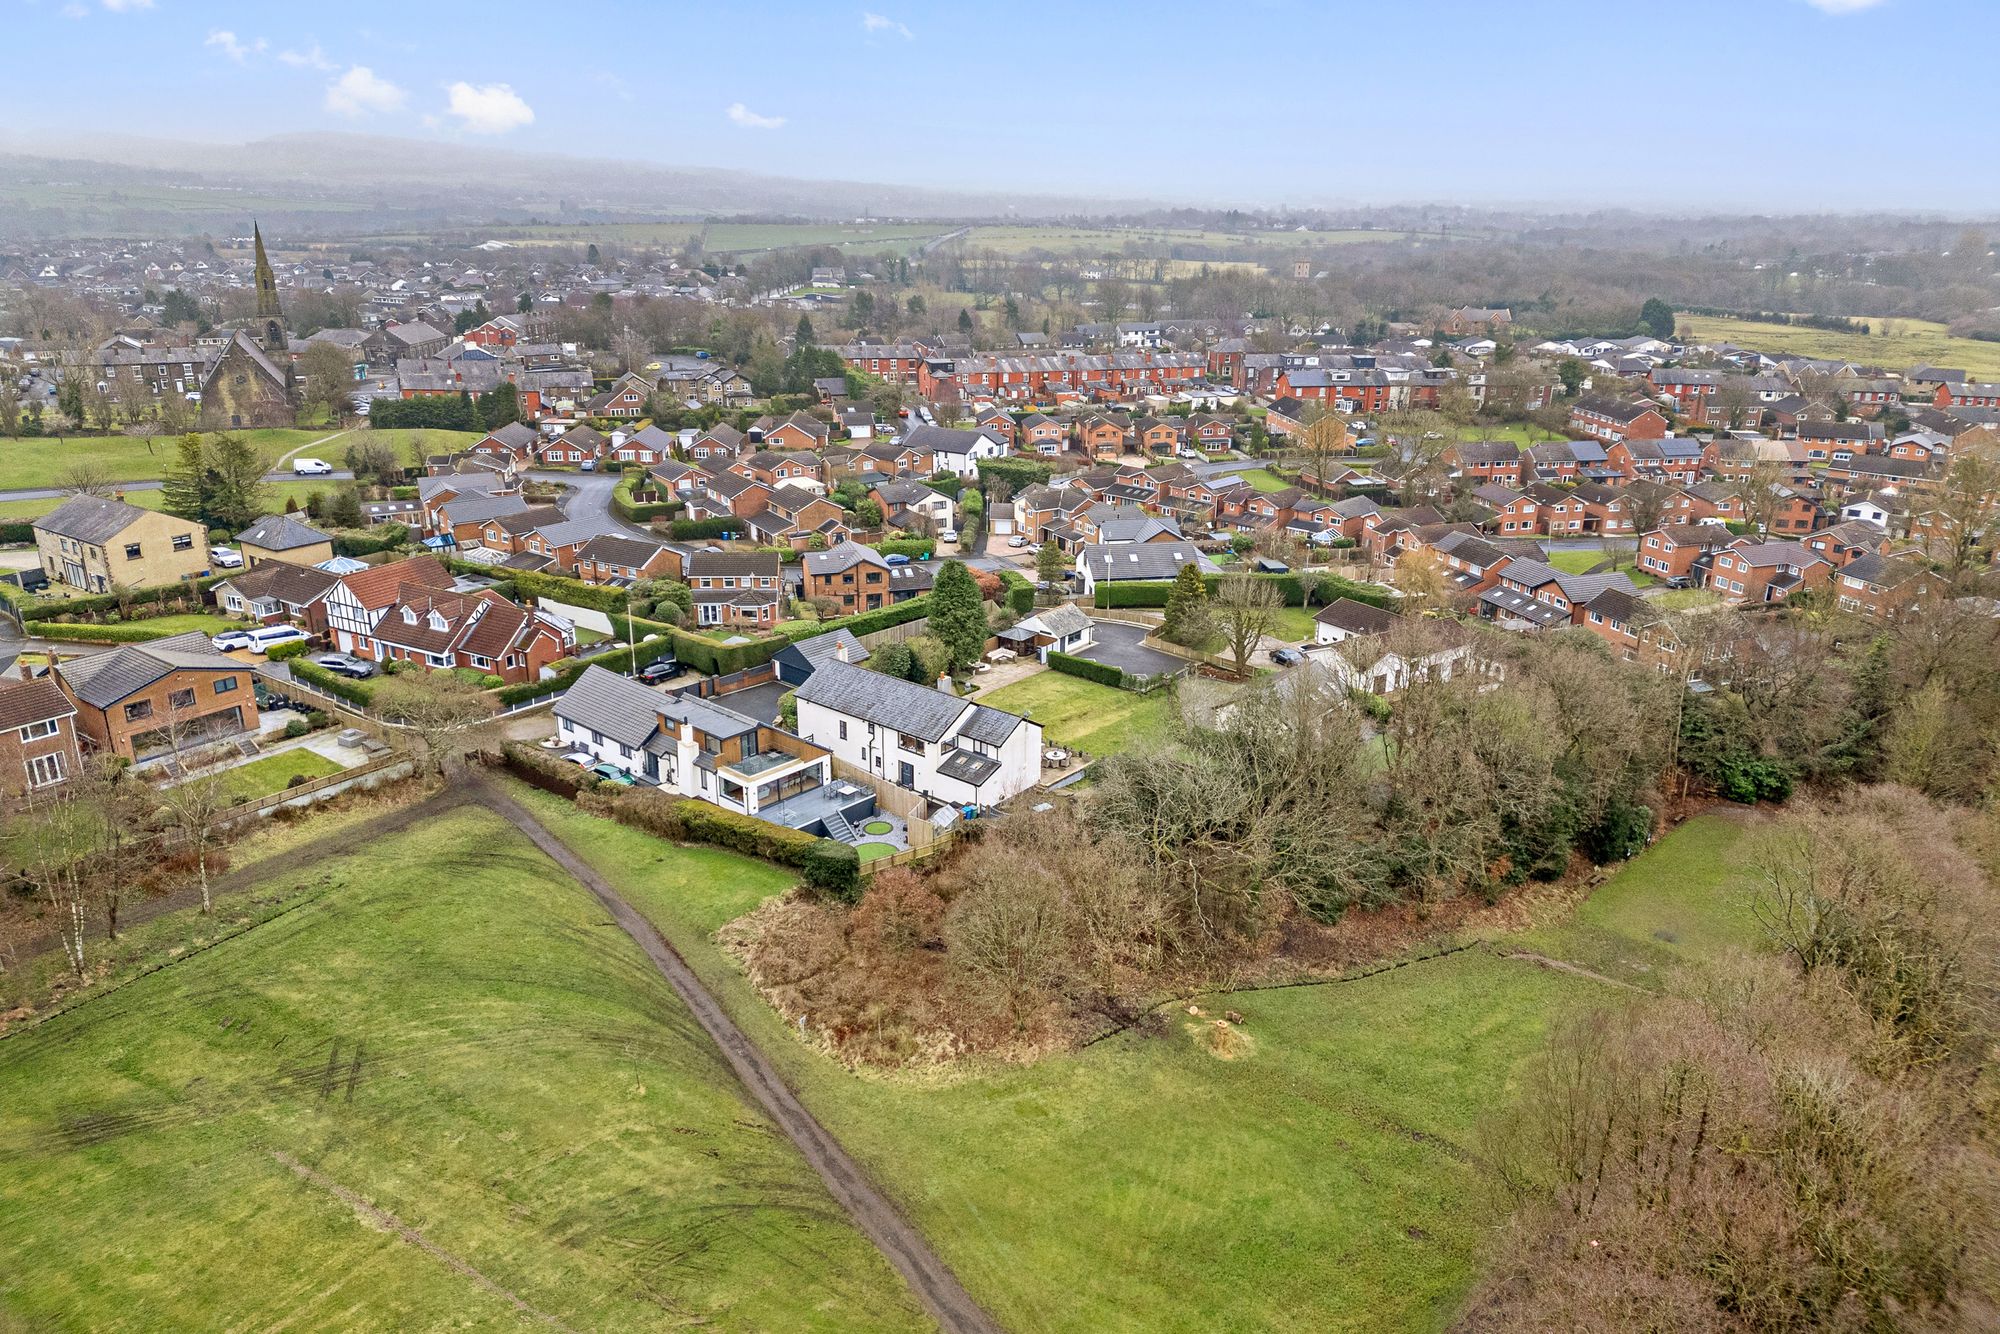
(1263, 479)
(445, 1035)
(274, 773)
(27, 462)
(275, 496)
(1325, 1178)
(1896, 346)
(723, 238)
(1093, 241)
(1076, 712)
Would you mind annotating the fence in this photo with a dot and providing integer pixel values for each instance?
(932, 849)
(895, 633)
(913, 810)
(321, 789)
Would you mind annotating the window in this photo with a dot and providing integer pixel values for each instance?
(843, 729)
(45, 769)
(36, 731)
(131, 551)
(225, 684)
(137, 709)
(184, 542)
(181, 699)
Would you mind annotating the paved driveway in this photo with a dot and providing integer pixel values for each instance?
(1118, 646)
(759, 702)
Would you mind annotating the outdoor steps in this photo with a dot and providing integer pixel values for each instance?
(837, 827)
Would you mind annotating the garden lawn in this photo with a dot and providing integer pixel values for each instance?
(1295, 625)
(275, 496)
(1076, 712)
(274, 773)
(1263, 479)
(1323, 1179)
(449, 1031)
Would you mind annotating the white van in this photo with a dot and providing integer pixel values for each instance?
(311, 468)
(264, 638)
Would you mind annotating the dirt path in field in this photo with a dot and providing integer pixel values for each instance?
(905, 1248)
(1563, 966)
(388, 1222)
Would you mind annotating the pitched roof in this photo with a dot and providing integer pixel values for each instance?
(1143, 560)
(25, 702)
(844, 557)
(102, 679)
(888, 701)
(92, 520)
(381, 585)
(1357, 618)
(281, 532)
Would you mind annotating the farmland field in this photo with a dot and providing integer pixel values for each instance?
(1094, 241)
(440, 1091)
(1327, 1177)
(723, 238)
(1897, 346)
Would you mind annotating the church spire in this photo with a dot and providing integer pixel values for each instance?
(268, 312)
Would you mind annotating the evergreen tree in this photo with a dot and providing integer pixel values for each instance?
(236, 475)
(1656, 317)
(183, 493)
(590, 255)
(499, 407)
(1187, 608)
(344, 509)
(965, 321)
(958, 617)
(803, 336)
(1049, 562)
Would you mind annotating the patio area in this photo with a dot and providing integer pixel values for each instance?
(846, 811)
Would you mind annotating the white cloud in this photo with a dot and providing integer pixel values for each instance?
(126, 6)
(488, 108)
(1843, 6)
(361, 91)
(238, 51)
(883, 23)
(75, 10)
(750, 120)
(311, 58)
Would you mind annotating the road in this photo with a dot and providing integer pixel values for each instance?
(901, 1244)
(589, 497)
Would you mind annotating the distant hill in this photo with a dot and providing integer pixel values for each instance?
(350, 183)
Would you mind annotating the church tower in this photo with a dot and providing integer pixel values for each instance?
(269, 316)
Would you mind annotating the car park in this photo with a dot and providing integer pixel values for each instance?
(225, 558)
(345, 664)
(311, 468)
(231, 640)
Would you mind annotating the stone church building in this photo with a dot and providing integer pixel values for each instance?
(250, 384)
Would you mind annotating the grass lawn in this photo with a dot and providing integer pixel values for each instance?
(43, 461)
(1521, 433)
(273, 773)
(444, 1029)
(1295, 625)
(1321, 1180)
(1576, 562)
(1076, 712)
(1263, 479)
(1895, 345)
(1680, 599)
(1686, 899)
(877, 827)
(870, 851)
(275, 496)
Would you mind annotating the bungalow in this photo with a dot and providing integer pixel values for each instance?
(718, 443)
(1101, 564)
(947, 749)
(1344, 618)
(480, 631)
(1063, 628)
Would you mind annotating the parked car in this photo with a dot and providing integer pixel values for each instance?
(226, 558)
(895, 558)
(658, 670)
(231, 640)
(611, 773)
(583, 759)
(267, 637)
(1017, 540)
(345, 664)
(311, 468)
(948, 535)
(1287, 657)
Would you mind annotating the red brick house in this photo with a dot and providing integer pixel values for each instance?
(775, 469)
(1967, 394)
(626, 398)
(1611, 419)
(1750, 570)
(735, 588)
(1481, 461)
(614, 558)
(482, 631)
(38, 737)
(1673, 552)
(1885, 586)
(646, 447)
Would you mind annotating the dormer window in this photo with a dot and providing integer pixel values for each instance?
(409, 616)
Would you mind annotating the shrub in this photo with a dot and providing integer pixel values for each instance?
(1020, 592)
(685, 529)
(916, 548)
(534, 766)
(318, 719)
(280, 652)
(831, 867)
(330, 683)
(1100, 672)
(372, 542)
(189, 590)
(297, 727)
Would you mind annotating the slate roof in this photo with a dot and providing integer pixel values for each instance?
(887, 701)
(1357, 618)
(1064, 618)
(1145, 560)
(616, 549)
(102, 679)
(968, 766)
(943, 439)
(844, 557)
(280, 532)
(820, 648)
(93, 520)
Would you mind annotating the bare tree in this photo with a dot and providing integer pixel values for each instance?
(84, 477)
(1244, 609)
(439, 707)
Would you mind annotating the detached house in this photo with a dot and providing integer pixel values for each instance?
(947, 749)
(1680, 553)
(481, 631)
(1754, 571)
(1884, 586)
(279, 537)
(146, 700)
(735, 588)
(93, 545)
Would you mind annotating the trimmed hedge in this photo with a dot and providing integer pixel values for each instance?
(298, 648)
(17, 532)
(331, 683)
(685, 529)
(611, 660)
(716, 659)
(916, 548)
(1101, 672)
(533, 765)
(1020, 592)
(864, 622)
(1154, 592)
(126, 632)
(47, 610)
(597, 597)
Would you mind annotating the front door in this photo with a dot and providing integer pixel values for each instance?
(907, 775)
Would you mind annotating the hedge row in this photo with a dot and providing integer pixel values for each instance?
(613, 659)
(640, 511)
(297, 648)
(331, 683)
(916, 548)
(127, 632)
(864, 622)
(32, 609)
(17, 532)
(1101, 672)
(826, 865)
(557, 588)
(715, 659)
(386, 537)
(685, 529)
(1020, 592)
(1154, 592)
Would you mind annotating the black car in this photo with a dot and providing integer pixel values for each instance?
(658, 670)
(1287, 657)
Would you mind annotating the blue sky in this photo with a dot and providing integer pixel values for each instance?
(1762, 104)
